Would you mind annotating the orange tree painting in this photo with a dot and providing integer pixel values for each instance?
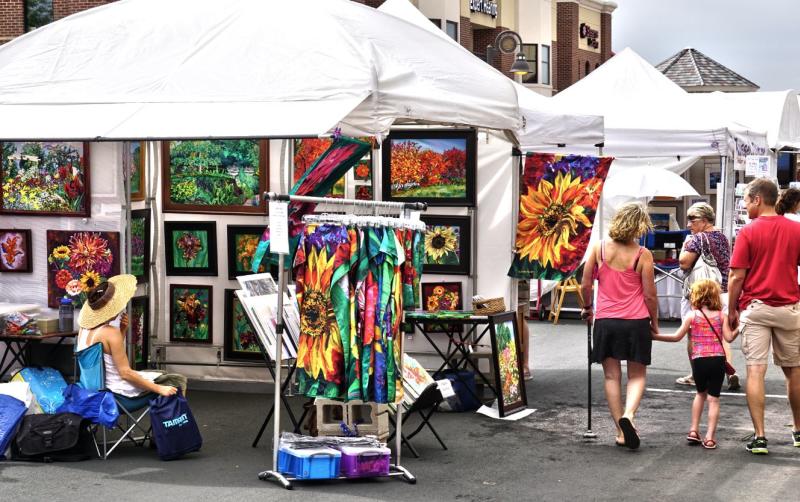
(557, 206)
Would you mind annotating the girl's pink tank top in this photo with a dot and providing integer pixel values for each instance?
(620, 294)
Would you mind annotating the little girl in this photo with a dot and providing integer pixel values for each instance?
(705, 324)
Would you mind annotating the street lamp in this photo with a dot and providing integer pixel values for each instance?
(509, 42)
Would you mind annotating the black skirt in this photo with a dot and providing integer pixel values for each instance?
(622, 339)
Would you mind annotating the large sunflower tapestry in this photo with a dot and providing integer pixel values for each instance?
(558, 201)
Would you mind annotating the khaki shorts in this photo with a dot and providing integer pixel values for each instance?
(761, 324)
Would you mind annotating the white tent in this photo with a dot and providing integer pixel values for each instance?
(646, 114)
(149, 69)
(551, 127)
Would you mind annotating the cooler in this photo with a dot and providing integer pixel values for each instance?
(309, 463)
(365, 461)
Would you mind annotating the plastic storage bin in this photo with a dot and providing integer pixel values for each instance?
(365, 461)
(309, 463)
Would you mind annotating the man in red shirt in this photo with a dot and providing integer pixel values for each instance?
(763, 297)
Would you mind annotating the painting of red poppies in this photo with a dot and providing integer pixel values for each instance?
(43, 178)
(507, 364)
(241, 343)
(432, 166)
(557, 205)
(140, 331)
(77, 262)
(190, 313)
(191, 247)
(447, 244)
(442, 296)
(15, 251)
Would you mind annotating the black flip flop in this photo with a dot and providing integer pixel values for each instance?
(629, 431)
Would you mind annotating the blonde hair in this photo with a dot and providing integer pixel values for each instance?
(702, 210)
(630, 222)
(706, 293)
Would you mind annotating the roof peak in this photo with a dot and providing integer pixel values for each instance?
(690, 67)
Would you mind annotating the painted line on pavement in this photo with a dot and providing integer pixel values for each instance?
(676, 391)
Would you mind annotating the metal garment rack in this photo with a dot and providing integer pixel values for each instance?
(396, 469)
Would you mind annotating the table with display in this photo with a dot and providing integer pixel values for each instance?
(19, 347)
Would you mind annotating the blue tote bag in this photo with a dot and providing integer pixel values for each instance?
(174, 429)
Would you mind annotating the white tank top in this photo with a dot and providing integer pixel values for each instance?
(114, 382)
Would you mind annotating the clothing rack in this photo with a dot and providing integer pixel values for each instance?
(396, 469)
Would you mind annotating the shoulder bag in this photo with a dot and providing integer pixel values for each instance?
(705, 267)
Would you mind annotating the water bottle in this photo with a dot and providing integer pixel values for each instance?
(66, 313)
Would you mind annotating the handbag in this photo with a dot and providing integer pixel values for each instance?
(705, 267)
(174, 428)
(729, 369)
(64, 437)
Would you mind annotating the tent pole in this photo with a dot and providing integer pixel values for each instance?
(590, 434)
(126, 188)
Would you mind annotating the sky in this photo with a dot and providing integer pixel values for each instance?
(758, 40)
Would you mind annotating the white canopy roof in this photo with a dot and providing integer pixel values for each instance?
(551, 127)
(150, 69)
(646, 114)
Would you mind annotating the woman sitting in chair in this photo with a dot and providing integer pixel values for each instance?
(105, 304)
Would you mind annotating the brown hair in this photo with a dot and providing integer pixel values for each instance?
(788, 201)
(630, 222)
(706, 293)
(764, 188)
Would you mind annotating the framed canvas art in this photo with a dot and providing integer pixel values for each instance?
(242, 243)
(447, 244)
(356, 183)
(45, 179)
(79, 261)
(506, 352)
(442, 296)
(137, 177)
(713, 177)
(191, 247)
(215, 176)
(433, 166)
(15, 251)
(241, 340)
(140, 331)
(140, 245)
(190, 313)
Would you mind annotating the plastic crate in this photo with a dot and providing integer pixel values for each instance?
(309, 463)
(364, 461)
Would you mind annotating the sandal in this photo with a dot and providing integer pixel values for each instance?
(694, 438)
(709, 444)
(629, 431)
(685, 380)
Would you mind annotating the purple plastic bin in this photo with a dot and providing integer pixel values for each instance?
(364, 461)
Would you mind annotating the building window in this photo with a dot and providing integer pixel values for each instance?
(587, 67)
(546, 64)
(37, 13)
(437, 22)
(530, 51)
(452, 30)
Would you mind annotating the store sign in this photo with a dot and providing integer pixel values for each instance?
(484, 7)
(592, 36)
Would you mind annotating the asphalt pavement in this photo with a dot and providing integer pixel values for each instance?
(541, 457)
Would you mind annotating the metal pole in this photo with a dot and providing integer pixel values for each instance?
(278, 359)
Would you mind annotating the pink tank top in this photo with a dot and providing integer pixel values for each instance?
(620, 294)
(703, 341)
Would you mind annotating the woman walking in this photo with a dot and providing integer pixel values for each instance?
(626, 316)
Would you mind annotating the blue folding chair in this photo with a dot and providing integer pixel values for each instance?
(89, 362)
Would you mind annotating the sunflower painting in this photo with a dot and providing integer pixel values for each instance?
(438, 296)
(79, 261)
(557, 206)
(191, 247)
(447, 244)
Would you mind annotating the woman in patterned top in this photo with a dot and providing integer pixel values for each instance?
(705, 236)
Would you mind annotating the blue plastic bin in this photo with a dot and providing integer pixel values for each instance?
(309, 463)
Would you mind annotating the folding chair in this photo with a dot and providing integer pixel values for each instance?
(425, 406)
(93, 377)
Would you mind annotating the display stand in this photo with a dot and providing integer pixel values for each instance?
(396, 469)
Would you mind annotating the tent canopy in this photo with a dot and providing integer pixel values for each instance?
(646, 114)
(149, 69)
(539, 126)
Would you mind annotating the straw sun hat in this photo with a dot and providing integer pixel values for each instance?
(106, 300)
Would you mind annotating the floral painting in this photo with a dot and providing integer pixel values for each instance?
(15, 251)
(140, 245)
(191, 247)
(190, 313)
(79, 261)
(241, 341)
(442, 296)
(507, 364)
(242, 244)
(557, 207)
(42, 178)
(352, 184)
(140, 331)
(447, 244)
(136, 175)
(215, 176)
(437, 167)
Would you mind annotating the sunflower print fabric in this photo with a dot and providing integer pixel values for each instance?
(557, 206)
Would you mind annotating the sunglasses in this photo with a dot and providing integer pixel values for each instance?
(693, 218)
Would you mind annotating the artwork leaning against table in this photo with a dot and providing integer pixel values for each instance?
(79, 261)
(506, 352)
(45, 179)
(215, 176)
(140, 245)
(190, 313)
(241, 340)
(447, 244)
(15, 251)
(191, 247)
(140, 330)
(442, 296)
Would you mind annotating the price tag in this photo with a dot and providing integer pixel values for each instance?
(446, 388)
(279, 227)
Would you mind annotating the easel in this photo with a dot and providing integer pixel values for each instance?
(396, 469)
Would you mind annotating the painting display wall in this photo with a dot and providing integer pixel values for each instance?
(506, 353)
(191, 247)
(15, 251)
(77, 262)
(190, 313)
